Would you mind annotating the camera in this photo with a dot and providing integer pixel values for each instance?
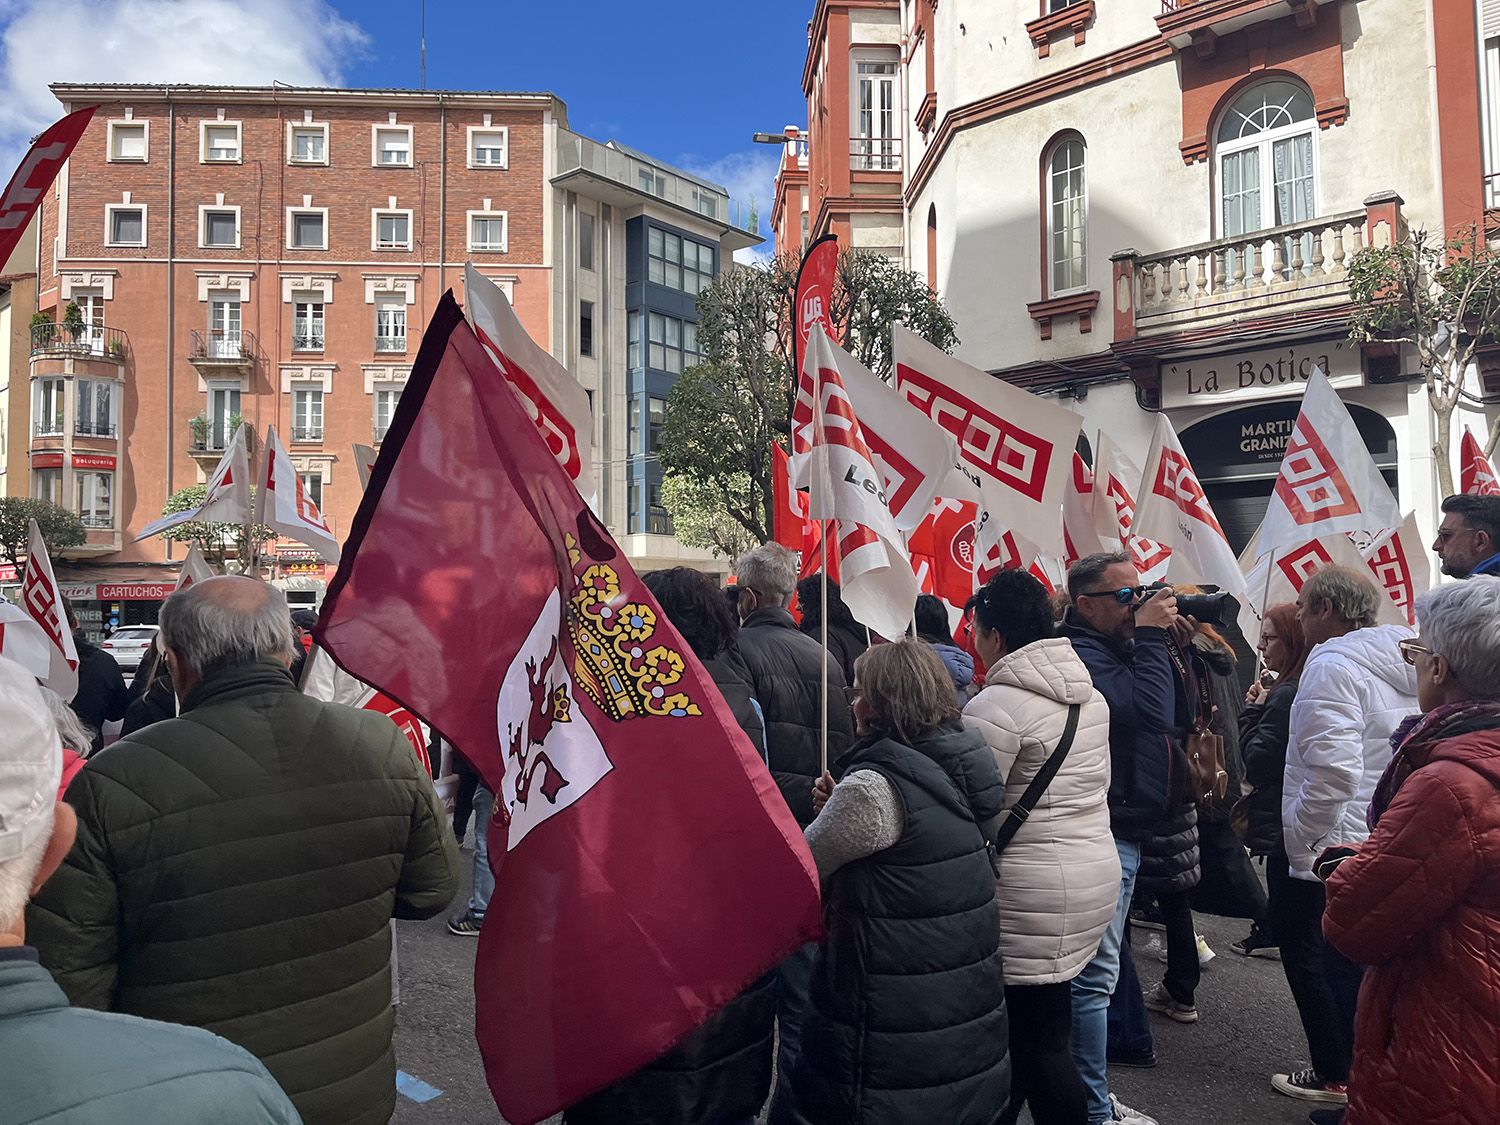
(1214, 608)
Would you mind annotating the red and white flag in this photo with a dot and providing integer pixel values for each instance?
(226, 499)
(942, 551)
(1277, 579)
(647, 867)
(194, 569)
(1016, 447)
(1476, 474)
(1175, 511)
(284, 504)
(48, 153)
(1080, 535)
(364, 461)
(325, 680)
(845, 486)
(1116, 478)
(812, 303)
(1328, 481)
(42, 601)
(1398, 559)
(555, 401)
(788, 506)
(22, 640)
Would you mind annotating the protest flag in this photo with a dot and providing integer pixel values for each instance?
(194, 569)
(1116, 478)
(812, 303)
(1174, 510)
(788, 506)
(284, 504)
(226, 499)
(42, 600)
(1476, 474)
(48, 153)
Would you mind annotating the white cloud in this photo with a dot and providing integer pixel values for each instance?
(247, 42)
(750, 177)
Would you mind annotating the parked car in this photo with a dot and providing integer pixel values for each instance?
(129, 645)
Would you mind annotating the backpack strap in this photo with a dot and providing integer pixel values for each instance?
(1021, 810)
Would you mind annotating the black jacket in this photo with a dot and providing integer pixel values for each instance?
(1265, 729)
(152, 707)
(1170, 857)
(722, 1071)
(1146, 699)
(906, 1018)
(101, 697)
(785, 668)
(845, 645)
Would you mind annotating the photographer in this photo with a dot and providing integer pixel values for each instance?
(1121, 632)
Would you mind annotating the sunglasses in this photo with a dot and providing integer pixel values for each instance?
(1409, 650)
(1126, 595)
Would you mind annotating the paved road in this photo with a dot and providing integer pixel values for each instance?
(1215, 1071)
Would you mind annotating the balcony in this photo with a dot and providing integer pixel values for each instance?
(221, 348)
(84, 428)
(45, 427)
(875, 154)
(307, 433)
(307, 341)
(390, 343)
(1186, 22)
(97, 522)
(89, 341)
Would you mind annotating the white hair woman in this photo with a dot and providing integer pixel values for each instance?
(1419, 901)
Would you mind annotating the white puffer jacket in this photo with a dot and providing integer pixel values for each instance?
(1353, 692)
(1060, 875)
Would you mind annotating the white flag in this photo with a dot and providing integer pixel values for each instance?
(1080, 534)
(42, 601)
(1398, 560)
(227, 497)
(918, 459)
(1116, 478)
(1277, 579)
(1328, 480)
(194, 569)
(22, 640)
(364, 461)
(283, 503)
(556, 401)
(1016, 447)
(1173, 510)
(844, 485)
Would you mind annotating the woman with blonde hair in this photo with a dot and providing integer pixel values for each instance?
(906, 1014)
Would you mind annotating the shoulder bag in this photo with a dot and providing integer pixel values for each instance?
(1022, 808)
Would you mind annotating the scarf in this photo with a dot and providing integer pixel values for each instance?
(1415, 738)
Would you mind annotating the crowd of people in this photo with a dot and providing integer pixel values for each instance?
(993, 813)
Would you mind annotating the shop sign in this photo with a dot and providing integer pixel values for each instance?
(1257, 375)
(78, 593)
(1248, 443)
(137, 591)
(296, 554)
(8, 573)
(302, 569)
(46, 460)
(93, 461)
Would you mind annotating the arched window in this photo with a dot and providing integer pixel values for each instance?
(932, 246)
(1067, 217)
(1267, 158)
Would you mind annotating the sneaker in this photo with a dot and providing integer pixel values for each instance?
(1140, 1060)
(1119, 1111)
(1256, 944)
(1160, 1000)
(1147, 916)
(465, 925)
(1205, 954)
(1306, 1084)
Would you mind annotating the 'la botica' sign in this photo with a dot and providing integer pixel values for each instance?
(1269, 373)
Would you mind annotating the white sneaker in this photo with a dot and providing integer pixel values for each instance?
(1205, 954)
(1119, 1111)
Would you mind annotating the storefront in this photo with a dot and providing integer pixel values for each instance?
(102, 608)
(302, 576)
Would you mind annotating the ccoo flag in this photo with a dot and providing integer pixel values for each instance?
(1116, 478)
(1174, 510)
(812, 303)
(647, 867)
(1476, 474)
(42, 600)
(226, 498)
(283, 503)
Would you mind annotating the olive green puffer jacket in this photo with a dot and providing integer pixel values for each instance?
(237, 869)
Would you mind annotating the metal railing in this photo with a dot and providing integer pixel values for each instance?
(99, 429)
(106, 523)
(307, 341)
(307, 433)
(390, 343)
(875, 154)
(46, 428)
(87, 339)
(222, 345)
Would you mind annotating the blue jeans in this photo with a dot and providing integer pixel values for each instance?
(1092, 989)
(1129, 1025)
(484, 878)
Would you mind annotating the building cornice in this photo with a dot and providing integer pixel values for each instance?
(145, 93)
(817, 31)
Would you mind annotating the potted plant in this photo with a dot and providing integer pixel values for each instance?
(198, 427)
(43, 330)
(73, 322)
(115, 346)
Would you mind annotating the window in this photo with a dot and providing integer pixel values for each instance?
(386, 401)
(633, 342)
(678, 263)
(307, 230)
(127, 141)
(390, 327)
(585, 240)
(94, 412)
(219, 227)
(46, 484)
(312, 481)
(224, 338)
(392, 146)
(488, 148)
(95, 495)
(634, 447)
(658, 522)
(392, 230)
(307, 414)
(1266, 160)
(47, 405)
(124, 225)
(656, 419)
(220, 142)
(1067, 218)
(91, 305)
(308, 144)
(585, 327)
(672, 344)
(875, 143)
(223, 413)
(487, 230)
(307, 326)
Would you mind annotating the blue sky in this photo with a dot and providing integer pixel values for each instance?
(686, 82)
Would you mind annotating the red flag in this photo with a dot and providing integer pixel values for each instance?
(789, 507)
(1476, 474)
(945, 540)
(646, 866)
(23, 194)
(811, 304)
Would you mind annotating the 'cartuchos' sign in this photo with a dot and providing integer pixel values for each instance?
(1269, 373)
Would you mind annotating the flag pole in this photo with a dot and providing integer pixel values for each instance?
(823, 726)
(1264, 598)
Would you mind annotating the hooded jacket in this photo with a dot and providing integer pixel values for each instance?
(1060, 874)
(1420, 905)
(1352, 693)
(960, 667)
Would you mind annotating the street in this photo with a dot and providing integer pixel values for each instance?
(1216, 1070)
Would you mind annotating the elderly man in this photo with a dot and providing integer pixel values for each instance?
(66, 1064)
(1353, 691)
(237, 866)
(1468, 539)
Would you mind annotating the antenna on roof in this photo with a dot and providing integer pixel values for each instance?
(424, 44)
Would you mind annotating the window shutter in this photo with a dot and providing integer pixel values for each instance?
(1489, 14)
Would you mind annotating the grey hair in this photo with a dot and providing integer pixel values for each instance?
(1461, 623)
(771, 571)
(1353, 597)
(213, 625)
(1089, 569)
(71, 730)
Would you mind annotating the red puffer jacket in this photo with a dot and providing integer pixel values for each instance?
(1420, 904)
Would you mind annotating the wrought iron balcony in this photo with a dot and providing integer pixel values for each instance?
(83, 428)
(222, 347)
(307, 341)
(307, 433)
(390, 343)
(49, 427)
(91, 340)
(875, 154)
(96, 521)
